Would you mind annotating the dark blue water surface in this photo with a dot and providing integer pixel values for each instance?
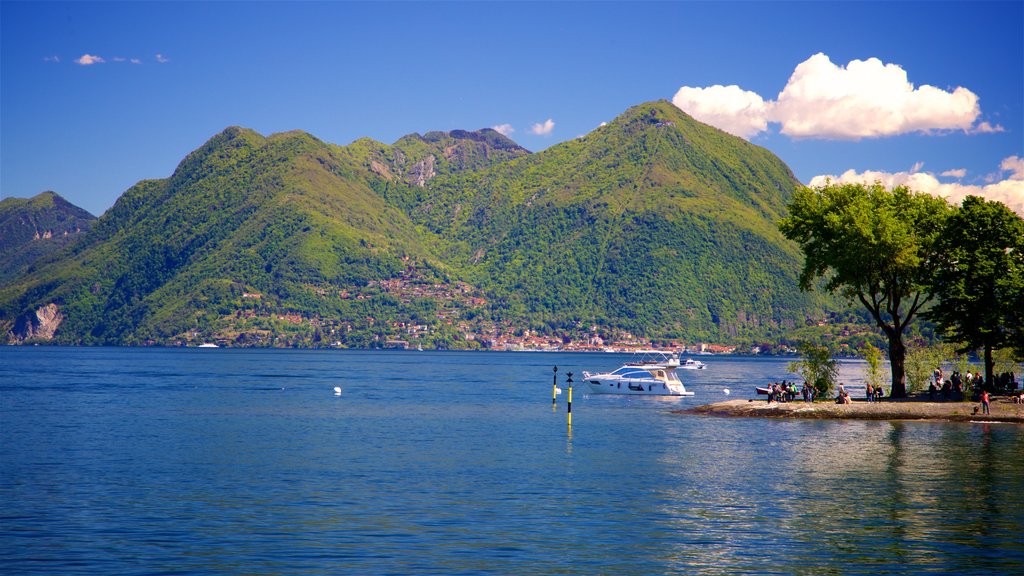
(219, 461)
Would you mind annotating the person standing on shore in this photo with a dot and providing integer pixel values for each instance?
(869, 393)
(984, 402)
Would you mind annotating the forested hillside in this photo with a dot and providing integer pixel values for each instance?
(33, 228)
(654, 224)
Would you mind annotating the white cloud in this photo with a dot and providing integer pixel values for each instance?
(162, 59)
(864, 99)
(1009, 191)
(958, 173)
(1013, 165)
(89, 60)
(118, 59)
(55, 59)
(730, 108)
(986, 128)
(543, 129)
(504, 129)
(135, 61)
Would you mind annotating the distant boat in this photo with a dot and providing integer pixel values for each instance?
(691, 364)
(208, 345)
(652, 375)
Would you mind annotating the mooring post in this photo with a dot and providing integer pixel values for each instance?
(569, 403)
(554, 388)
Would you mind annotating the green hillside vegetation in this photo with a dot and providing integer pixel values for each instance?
(33, 228)
(655, 224)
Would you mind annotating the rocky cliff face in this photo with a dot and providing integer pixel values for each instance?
(39, 325)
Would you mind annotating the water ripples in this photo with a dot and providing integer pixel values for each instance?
(227, 461)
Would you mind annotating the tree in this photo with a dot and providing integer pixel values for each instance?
(818, 368)
(872, 371)
(873, 245)
(979, 283)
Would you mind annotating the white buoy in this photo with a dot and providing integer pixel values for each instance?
(337, 390)
(558, 391)
(725, 391)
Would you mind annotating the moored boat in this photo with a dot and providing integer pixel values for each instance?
(652, 374)
(691, 364)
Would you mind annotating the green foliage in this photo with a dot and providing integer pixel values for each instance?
(979, 283)
(922, 362)
(873, 370)
(33, 229)
(817, 367)
(655, 225)
(1007, 360)
(872, 245)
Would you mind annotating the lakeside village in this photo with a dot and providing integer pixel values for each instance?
(448, 316)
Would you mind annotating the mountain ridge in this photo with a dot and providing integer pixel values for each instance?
(654, 224)
(31, 229)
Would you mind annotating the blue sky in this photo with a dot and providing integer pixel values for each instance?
(97, 96)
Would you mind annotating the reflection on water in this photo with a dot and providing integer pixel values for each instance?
(228, 461)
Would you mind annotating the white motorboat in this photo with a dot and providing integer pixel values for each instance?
(652, 374)
(691, 364)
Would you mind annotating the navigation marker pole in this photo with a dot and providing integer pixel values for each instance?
(569, 404)
(554, 388)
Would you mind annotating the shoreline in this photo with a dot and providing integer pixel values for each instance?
(1003, 410)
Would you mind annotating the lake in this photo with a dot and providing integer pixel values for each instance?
(224, 461)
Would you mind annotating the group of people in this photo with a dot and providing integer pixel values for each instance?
(871, 394)
(952, 388)
(786, 392)
(958, 384)
(955, 387)
(781, 392)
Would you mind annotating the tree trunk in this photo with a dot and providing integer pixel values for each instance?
(897, 363)
(990, 380)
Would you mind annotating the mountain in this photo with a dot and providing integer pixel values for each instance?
(33, 228)
(655, 225)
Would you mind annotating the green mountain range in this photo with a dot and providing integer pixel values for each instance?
(33, 228)
(653, 225)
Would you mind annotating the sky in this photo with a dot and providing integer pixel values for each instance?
(95, 97)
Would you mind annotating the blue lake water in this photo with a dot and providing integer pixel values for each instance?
(220, 461)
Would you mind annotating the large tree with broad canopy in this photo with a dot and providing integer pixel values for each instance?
(980, 280)
(873, 245)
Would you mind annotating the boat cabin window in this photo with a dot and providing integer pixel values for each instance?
(634, 373)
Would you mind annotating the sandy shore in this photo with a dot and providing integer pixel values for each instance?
(1003, 410)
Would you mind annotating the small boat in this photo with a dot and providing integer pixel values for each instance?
(208, 345)
(691, 364)
(652, 374)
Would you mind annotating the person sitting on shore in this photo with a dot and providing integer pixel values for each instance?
(932, 389)
(879, 394)
(844, 397)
